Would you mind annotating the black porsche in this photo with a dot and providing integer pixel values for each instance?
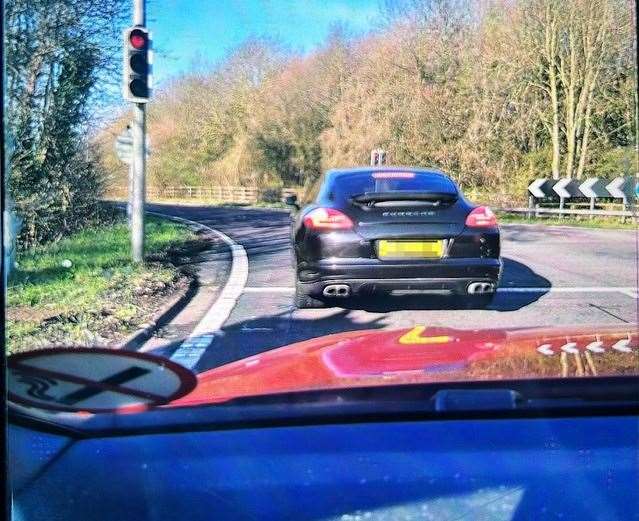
(399, 230)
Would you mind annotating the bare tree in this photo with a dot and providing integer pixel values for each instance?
(60, 55)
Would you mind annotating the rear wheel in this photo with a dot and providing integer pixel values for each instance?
(305, 301)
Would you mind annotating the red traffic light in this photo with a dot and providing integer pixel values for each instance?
(137, 39)
(136, 73)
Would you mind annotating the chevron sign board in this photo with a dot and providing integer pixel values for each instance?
(593, 188)
(626, 188)
(541, 188)
(563, 188)
(622, 188)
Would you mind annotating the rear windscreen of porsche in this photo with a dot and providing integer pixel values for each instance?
(350, 185)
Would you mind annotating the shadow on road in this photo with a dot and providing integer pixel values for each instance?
(515, 275)
(254, 336)
(268, 331)
(265, 332)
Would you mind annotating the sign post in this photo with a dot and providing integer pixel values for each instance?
(124, 151)
(593, 188)
(138, 183)
(620, 188)
(562, 192)
(536, 190)
(531, 206)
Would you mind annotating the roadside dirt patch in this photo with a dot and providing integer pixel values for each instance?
(121, 298)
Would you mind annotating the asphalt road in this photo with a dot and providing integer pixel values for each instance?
(552, 276)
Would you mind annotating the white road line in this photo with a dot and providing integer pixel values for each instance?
(586, 289)
(192, 349)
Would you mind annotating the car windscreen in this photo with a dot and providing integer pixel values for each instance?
(431, 195)
(345, 186)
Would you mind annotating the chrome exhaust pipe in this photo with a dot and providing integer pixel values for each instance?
(480, 288)
(337, 290)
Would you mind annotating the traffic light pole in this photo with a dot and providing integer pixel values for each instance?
(139, 159)
(138, 182)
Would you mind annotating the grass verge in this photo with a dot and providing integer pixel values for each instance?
(84, 290)
(613, 224)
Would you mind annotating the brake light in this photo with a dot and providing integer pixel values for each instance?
(481, 217)
(327, 219)
(393, 175)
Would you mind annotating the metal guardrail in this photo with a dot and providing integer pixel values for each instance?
(540, 211)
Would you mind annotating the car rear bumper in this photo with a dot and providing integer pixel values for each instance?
(363, 275)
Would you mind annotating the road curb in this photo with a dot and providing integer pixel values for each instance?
(160, 318)
(169, 310)
(192, 348)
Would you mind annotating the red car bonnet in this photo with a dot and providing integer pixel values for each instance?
(384, 357)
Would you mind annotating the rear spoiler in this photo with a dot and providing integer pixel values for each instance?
(377, 197)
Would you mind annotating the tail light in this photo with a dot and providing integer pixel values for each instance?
(481, 217)
(327, 219)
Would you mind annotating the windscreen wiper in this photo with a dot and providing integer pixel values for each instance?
(527, 398)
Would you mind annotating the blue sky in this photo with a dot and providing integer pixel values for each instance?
(187, 31)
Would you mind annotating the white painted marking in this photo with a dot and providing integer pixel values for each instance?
(596, 347)
(583, 289)
(632, 294)
(546, 349)
(570, 348)
(269, 289)
(622, 346)
(204, 333)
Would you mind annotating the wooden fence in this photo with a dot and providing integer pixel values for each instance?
(253, 194)
(223, 194)
(217, 194)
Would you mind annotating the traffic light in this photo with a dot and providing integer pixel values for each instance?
(136, 78)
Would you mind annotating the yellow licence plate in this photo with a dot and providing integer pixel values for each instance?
(410, 249)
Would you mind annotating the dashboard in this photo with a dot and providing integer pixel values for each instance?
(504, 469)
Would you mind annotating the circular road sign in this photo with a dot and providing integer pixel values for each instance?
(94, 379)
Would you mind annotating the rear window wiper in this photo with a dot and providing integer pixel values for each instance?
(405, 196)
